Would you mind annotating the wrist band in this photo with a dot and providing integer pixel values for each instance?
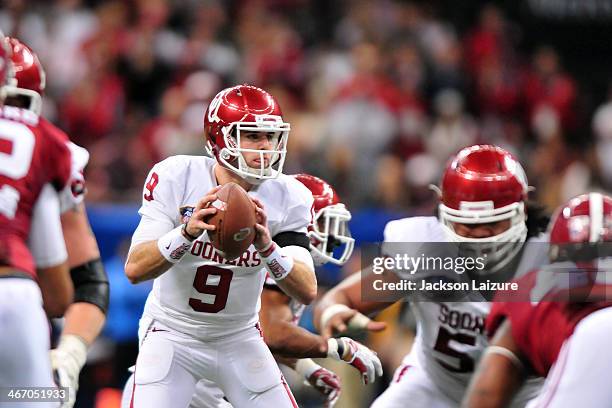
(305, 367)
(277, 264)
(332, 349)
(502, 351)
(186, 234)
(331, 311)
(174, 245)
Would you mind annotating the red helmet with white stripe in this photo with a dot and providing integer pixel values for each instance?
(578, 225)
(28, 78)
(5, 63)
(329, 228)
(240, 109)
(485, 184)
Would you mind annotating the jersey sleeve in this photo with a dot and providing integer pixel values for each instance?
(508, 306)
(299, 213)
(59, 163)
(46, 240)
(74, 193)
(161, 191)
(159, 209)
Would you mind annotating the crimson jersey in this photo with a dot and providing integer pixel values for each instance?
(30, 157)
(539, 328)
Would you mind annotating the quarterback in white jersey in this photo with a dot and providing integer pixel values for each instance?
(482, 202)
(201, 316)
(280, 314)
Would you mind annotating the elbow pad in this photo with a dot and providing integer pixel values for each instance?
(91, 284)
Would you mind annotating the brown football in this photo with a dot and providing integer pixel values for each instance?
(235, 221)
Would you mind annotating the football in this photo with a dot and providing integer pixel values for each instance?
(235, 221)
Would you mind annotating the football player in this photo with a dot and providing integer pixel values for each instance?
(34, 167)
(85, 317)
(482, 201)
(280, 314)
(562, 314)
(201, 318)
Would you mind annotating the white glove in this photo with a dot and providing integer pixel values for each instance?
(357, 355)
(321, 379)
(67, 360)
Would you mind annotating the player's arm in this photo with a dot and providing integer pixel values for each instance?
(500, 372)
(148, 260)
(291, 266)
(343, 307)
(282, 336)
(286, 339)
(46, 243)
(85, 317)
(56, 288)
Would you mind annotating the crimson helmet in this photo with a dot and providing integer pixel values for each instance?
(578, 226)
(28, 75)
(329, 228)
(484, 184)
(239, 109)
(5, 63)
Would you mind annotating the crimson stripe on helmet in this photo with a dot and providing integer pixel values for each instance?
(596, 216)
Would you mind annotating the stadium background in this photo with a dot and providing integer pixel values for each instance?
(379, 94)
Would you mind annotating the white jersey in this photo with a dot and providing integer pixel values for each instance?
(205, 295)
(450, 335)
(47, 245)
(74, 193)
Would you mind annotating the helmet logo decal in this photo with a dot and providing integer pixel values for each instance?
(213, 108)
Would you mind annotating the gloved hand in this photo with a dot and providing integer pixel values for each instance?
(67, 360)
(357, 355)
(327, 383)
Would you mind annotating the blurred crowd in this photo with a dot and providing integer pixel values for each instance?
(379, 93)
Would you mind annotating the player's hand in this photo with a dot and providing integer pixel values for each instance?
(196, 224)
(327, 383)
(66, 361)
(262, 233)
(340, 318)
(357, 355)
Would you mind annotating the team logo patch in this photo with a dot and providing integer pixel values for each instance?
(185, 213)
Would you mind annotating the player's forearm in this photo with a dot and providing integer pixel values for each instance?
(56, 288)
(286, 361)
(145, 262)
(493, 385)
(347, 292)
(289, 340)
(500, 372)
(84, 320)
(80, 241)
(300, 283)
